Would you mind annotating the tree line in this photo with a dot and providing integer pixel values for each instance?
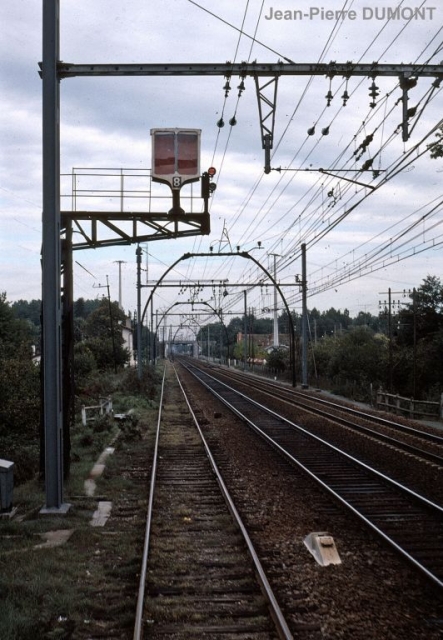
(400, 349)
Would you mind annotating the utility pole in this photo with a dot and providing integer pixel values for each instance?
(304, 319)
(138, 253)
(120, 262)
(390, 338)
(389, 313)
(276, 338)
(414, 363)
(111, 320)
(155, 336)
(151, 340)
(51, 264)
(245, 346)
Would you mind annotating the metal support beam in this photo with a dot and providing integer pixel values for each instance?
(91, 227)
(202, 284)
(245, 330)
(68, 382)
(260, 70)
(51, 263)
(139, 314)
(304, 357)
(267, 118)
(243, 69)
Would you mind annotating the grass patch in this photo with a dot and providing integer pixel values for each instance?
(77, 588)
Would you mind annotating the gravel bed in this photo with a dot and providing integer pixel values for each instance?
(371, 595)
(422, 476)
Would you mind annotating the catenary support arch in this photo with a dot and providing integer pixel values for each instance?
(242, 254)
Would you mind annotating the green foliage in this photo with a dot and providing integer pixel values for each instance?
(25, 310)
(330, 322)
(15, 334)
(84, 360)
(83, 308)
(19, 394)
(359, 355)
(436, 147)
(417, 341)
(352, 361)
(278, 360)
(30, 315)
(101, 340)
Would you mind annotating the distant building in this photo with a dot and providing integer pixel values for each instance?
(36, 356)
(128, 341)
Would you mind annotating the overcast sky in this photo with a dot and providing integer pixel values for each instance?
(390, 239)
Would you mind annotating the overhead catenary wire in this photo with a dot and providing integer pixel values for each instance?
(302, 220)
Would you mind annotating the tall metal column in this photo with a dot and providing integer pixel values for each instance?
(138, 253)
(276, 342)
(304, 319)
(51, 263)
(245, 331)
(68, 380)
(390, 340)
(151, 335)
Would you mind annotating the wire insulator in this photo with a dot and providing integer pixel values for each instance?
(373, 93)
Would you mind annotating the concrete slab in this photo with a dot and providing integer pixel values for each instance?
(101, 514)
(54, 538)
(62, 510)
(97, 471)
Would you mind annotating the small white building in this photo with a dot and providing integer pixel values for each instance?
(128, 341)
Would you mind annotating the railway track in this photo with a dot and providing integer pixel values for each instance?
(411, 524)
(413, 439)
(200, 576)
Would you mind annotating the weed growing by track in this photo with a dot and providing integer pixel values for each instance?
(86, 585)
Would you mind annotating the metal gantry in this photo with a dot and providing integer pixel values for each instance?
(266, 77)
(53, 71)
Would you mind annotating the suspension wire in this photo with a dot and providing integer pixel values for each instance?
(198, 242)
(226, 266)
(214, 15)
(427, 101)
(322, 55)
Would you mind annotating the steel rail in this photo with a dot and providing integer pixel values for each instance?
(285, 396)
(412, 494)
(426, 455)
(417, 433)
(142, 583)
(289, 396)
(276, 613)
(279, 621)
